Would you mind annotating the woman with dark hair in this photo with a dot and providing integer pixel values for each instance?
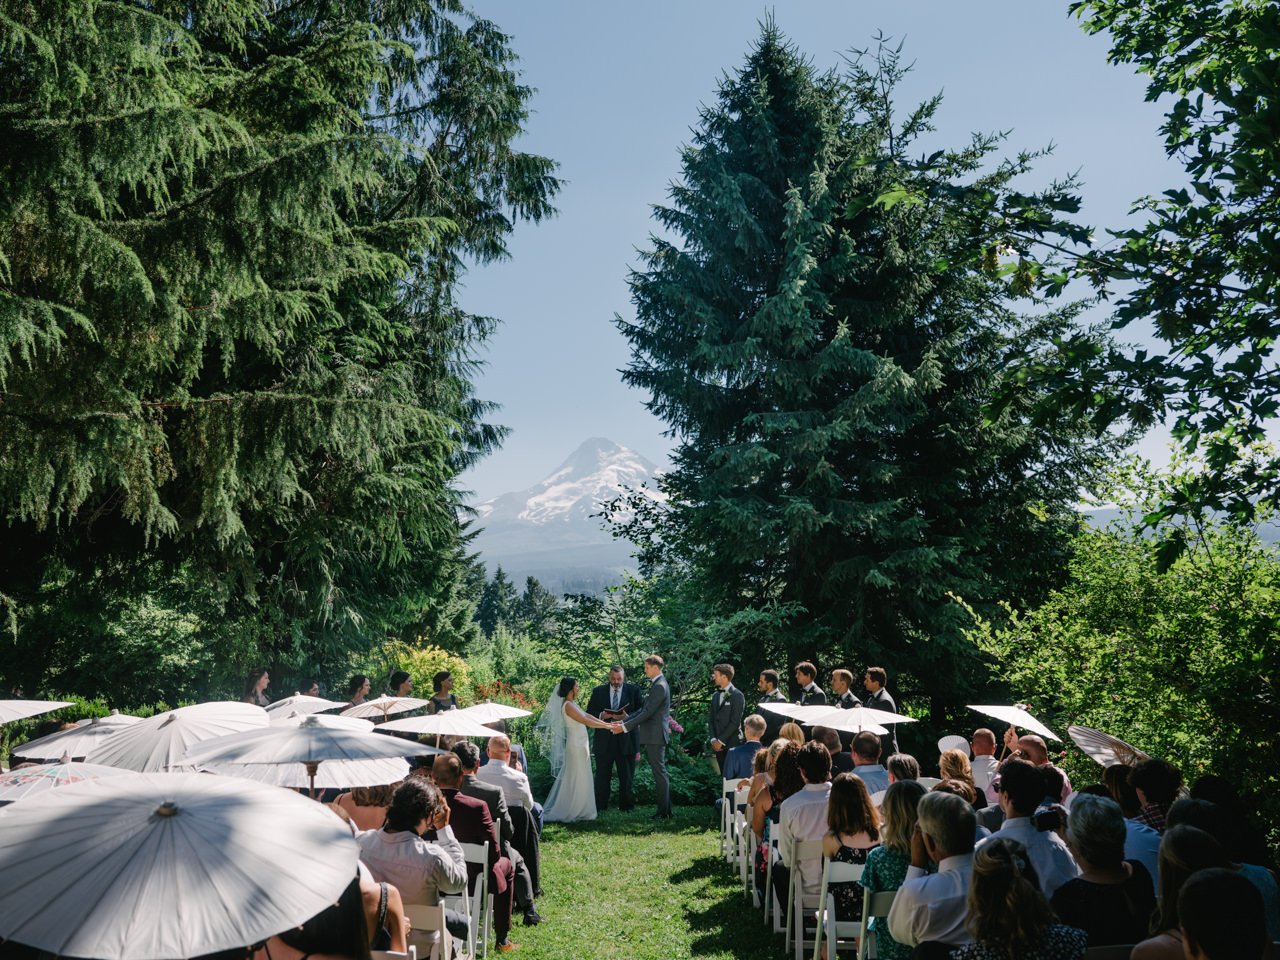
(309, 688)
(336, 933)
(442, 697)
(357, 689)
(853, 831)
(399, 684)
(887, 864)
(564, 730)
(767, 809)
(1183, 851)
(255, 687)
(1008, 915)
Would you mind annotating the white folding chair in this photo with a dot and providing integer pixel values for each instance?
(771, 903)
(426, 919)
(727, 809)
(740, 828)
(874, 906)
(805, 851)
(410, 954)
(481, 909)
(827, 923)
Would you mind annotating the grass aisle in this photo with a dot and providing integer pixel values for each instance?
(627, 887)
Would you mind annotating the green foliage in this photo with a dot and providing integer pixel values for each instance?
(499, 603)
(825, 348)
(1178, 662)
(234, 381)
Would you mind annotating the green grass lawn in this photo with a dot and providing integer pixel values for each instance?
(627, 887)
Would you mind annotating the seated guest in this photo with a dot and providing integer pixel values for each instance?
(367, 806)
(934, 908)
(966, 793)
(954, 765)
(793, 732)
(1244, 842)
(1156, 782)
(853, 831)
(841, 762)
(1183, 851)
(1032, 748)
(421, 869)
(1113, 898)
(336, 933)
(513, 781)
(1210, 818)
(1116, 779)
(866, 762)
(1141, 843)
(472, 823)
(516, 759)
(1221, 918)
(739, 761)
(384, 915)
(1008, 915)
(902, 766)
(803, 816)
(783, 781)
(887, 864)
(985, 765)
(1021, 792)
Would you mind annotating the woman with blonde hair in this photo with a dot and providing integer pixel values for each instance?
(887, 864)
(954, 765)
(793, 732)
(1009, 917)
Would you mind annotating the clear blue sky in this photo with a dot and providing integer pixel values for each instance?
(619, 85)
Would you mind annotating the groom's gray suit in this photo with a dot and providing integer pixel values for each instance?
(653, 731)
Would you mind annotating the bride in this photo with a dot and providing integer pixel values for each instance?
(564, 732)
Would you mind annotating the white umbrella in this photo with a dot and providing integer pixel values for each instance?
(164, 865)
(19, 784)
(382, 707)
(11, 710)
(807, 714)
(953, 742)
(450, 723)
(860, 718)
(78, 741)
(311, 742)
(490, 712)
(300, 703)
(332, 774)
(160, 742)
(1017, 716)
(324, 719)
(1105, 748)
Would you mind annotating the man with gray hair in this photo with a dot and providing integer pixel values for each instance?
(934, 907)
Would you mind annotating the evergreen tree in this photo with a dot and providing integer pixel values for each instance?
(537, 608)
(825, 369)
(234, 382)
(499, 603)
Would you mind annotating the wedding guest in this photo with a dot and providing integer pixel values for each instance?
(386, 923)
(934, 907)
(336, 933)
(954, 765)
(793, 732)
(1221, 918)
(783, 781)
(1141, 843)
(966, 793)
(1156, 782)
(357, 689)
(514, 783)
(875, 680)
(1183, 851)
(1113, 898)
(1008, 913)
(367, 806)
(841, 761)
(739, 760)
(853, 831)
(866, 762)
(803, 816)
(806, 677)
(902, 766)
(984, 765)
(887, 864)
(442, 696)
(255, 687)
(1244, 842)
(1031, 748)
(1116, 779)
(1021, 792)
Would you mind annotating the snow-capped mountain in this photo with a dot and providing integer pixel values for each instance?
(549, 531)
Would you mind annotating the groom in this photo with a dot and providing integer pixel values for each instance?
(654, 730)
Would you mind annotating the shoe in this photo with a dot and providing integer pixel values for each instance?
(531, 918)
(506, 946)
(538, 892)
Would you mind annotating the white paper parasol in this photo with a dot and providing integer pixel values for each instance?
(164, 865)
(311, 743)
(856, 719)
(11, 710)
(953, 741)
(335, 774)
(324, 719)
(809, 713)
(490, 712)
(1017, 716)
(19, 784)
(450, 723)
(1105, 748)
(160, 742)
(77, 742)
(300, 703)
(383, 707)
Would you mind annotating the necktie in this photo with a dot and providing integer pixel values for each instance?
(615, 698)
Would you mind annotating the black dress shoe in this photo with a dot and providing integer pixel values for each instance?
(531, 918)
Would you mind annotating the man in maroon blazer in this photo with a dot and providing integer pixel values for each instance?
(472, 823)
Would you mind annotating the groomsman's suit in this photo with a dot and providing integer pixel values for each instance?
(654, 732)
(725, 720)
(611, 748)
(773, 721)
(812, 695)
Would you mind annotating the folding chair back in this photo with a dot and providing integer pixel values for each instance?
(426, 920)
(728, 806)
(481, 911)
(411, 954)
(806, 851)
(834, 872)
(873, 905)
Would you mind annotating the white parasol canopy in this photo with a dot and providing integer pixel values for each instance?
(332, 774)
(324, 719)
(1017, 716)
(382, 707)
(164, 865)
(800, 714)
(300, 703)
(11, 710)
(490, 712)
(19, 784)
(857, 719)
(953, 741)
(78, 741)
(450, 723)
(1105, 748)
(160, 742)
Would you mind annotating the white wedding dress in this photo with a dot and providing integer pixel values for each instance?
(573, 795)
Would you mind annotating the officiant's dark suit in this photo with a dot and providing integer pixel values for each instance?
(615, 749)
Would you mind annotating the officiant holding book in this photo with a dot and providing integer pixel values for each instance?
(612, 701)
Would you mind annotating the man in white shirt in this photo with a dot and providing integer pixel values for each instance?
(500, 773)
(803, 816)
(1021, 792)
(934, 907)
(985, 764)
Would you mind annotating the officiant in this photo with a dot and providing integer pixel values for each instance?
(612, 701)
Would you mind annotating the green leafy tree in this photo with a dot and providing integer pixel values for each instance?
(816, 342)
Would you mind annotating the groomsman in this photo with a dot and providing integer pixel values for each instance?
(879, 699)
(810, 692)
(841, 686)
(767, 685)
(725, 720)
(611, 701)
